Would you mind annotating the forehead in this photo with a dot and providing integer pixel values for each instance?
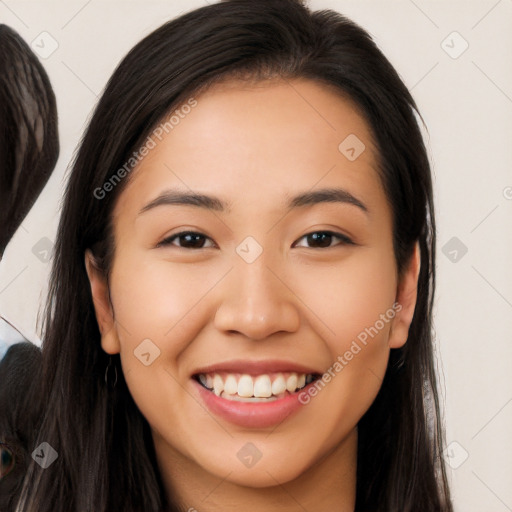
(245, 142)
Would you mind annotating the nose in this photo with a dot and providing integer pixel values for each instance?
(256, 301)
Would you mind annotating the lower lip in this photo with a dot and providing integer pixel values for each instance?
(251, 415)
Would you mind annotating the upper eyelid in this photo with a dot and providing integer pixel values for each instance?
(344, 238)
(167, 240)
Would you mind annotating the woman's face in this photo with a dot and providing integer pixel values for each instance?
(289, 274)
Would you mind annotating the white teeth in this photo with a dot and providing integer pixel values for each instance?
(233, 386)
(263, 387)
(291, 383)
(252, 399)
(245, 386)
(218, 384)
(230, 385)
(279, 385)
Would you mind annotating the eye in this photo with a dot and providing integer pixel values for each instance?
(188, 240)
(6, 460)
(323, 239)
(195, 240)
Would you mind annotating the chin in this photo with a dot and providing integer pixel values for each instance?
(276, 470)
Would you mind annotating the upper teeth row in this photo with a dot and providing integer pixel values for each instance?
(258, 386)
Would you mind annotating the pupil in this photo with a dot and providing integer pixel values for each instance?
(321, 239)
(196, 240)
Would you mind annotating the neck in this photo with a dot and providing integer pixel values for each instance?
(328, 484)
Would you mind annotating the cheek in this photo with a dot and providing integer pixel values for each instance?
(154, 300)
(351, 295)
(162, 303)
(354, 306)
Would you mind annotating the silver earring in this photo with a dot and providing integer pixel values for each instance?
(106, 374)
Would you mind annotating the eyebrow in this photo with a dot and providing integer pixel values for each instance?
(326, 195)
(310, 198)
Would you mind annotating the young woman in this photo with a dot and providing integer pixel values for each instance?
(240, 308)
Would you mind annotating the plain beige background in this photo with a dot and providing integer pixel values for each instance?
(456, 59)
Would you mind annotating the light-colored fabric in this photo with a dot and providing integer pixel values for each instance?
(8, 336)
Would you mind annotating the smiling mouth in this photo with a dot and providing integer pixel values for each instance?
(242, 387)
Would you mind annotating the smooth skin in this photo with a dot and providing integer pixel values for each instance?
(255, 146)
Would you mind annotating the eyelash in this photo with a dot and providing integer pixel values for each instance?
(168, 241)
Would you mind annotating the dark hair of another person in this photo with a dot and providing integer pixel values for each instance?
(106, 456)
(29, 143)
(20, 411)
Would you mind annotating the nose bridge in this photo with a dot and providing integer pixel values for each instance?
(254, 301)
(255, 282)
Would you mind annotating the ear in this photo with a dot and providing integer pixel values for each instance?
(102, 305)
(406, 296)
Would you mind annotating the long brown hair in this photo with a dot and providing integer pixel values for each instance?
(106, 457)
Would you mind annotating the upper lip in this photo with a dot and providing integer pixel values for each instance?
(256, 367)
